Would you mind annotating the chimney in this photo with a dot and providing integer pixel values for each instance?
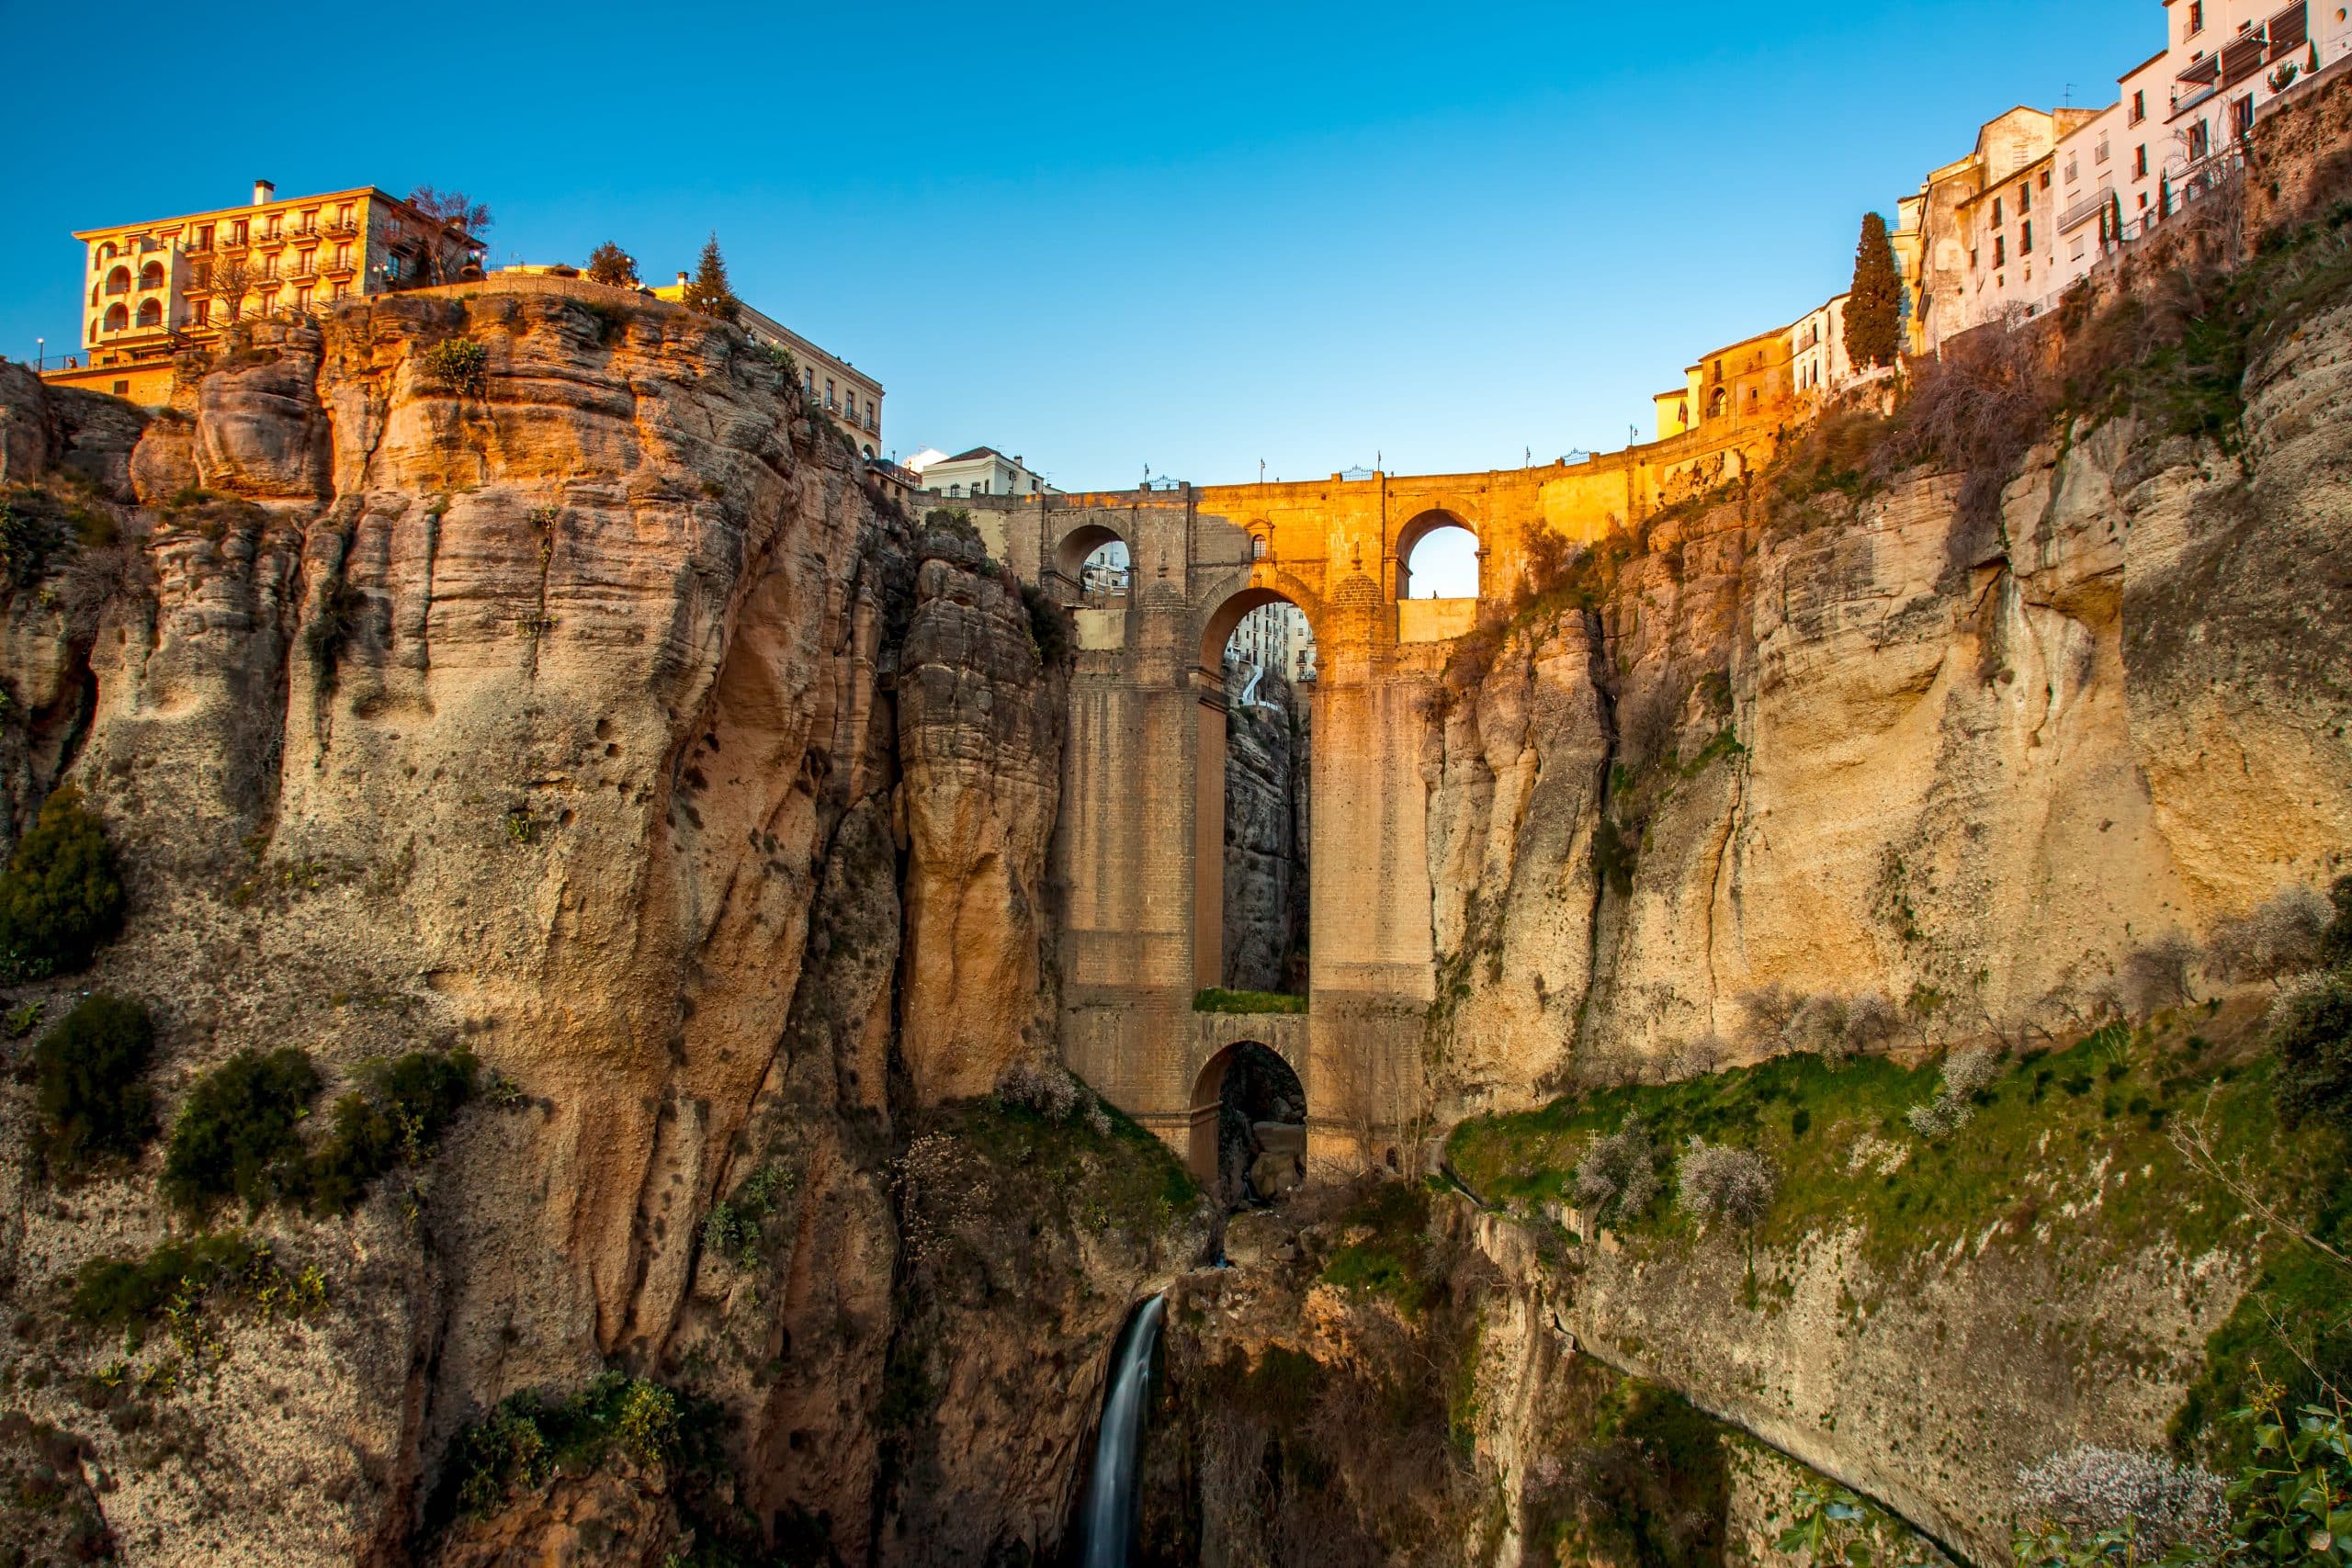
(263, 191)
(682, 280)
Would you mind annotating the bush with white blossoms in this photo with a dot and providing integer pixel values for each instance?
(1717, 1182)
(1966, 1072)
(2159, 1503)
(1618, 1176)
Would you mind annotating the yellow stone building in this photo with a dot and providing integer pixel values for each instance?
(154, 289)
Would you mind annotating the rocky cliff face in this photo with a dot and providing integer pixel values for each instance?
(1877, 754)
(1266, 773)
(564, 696)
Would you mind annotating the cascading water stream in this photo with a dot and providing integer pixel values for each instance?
(1106, 1516)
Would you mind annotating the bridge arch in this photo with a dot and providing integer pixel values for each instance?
(1411, 537)
(1246, 1084)
(1217, 629)
(1073, 548)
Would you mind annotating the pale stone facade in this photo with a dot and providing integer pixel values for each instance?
(983, 471)
(852, 397)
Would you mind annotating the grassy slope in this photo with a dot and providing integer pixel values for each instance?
(2067, 1151)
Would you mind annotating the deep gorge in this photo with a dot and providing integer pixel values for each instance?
(601, 741)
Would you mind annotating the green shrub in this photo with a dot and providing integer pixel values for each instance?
(1216, 999)
(393, 1117)
(62, 894)
(90, 1090)
(459, 364)
(1051, 629)
(528, 1437)
(239, 1132)
(955, 523)
(168, 1285)
(2313, 1040)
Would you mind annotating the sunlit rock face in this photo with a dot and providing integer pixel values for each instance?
(589, 713)
(1892, 755)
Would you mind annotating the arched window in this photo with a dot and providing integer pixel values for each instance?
(1716, 404)
(152, 276)
(107, 252)
(118, 280)
(117, 318)
(151, 313)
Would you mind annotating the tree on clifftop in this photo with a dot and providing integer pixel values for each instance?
(1873, 312)
(708, 292)
(452, 209)
(610, 264)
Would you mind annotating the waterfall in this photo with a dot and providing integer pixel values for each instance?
(1106, 1516)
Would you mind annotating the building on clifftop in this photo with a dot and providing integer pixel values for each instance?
(842, 390)
(155, 288)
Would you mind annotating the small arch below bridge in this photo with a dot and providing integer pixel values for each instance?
(1088, 550)
(1249, 1126)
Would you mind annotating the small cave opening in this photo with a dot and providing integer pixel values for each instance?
(1260, 1130)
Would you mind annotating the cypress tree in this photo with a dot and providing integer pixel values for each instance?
(708, 292)
(1873, 313)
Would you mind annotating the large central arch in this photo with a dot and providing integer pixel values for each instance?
(1209, 779)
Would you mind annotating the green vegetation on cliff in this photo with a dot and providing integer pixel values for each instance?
(240, 1132)
(90, 1095)
(61, 895)
(2095, 1151)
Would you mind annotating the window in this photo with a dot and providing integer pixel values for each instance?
(1971, 261)
(1997, 219)
(276, 227)
(122, 389)
(118, 280)
(2025, 198)
(2076, 254)
(343, 213)
(237, 232)
(2100, 155)
(342, 256)
(202, 316)
(2074, 170)
(2000, 250)
(2242, 118)
(306, 264)
(203, 237)
(151, 313)
(2200, 140)
(2195, 18)
(2140, 161)
(2139, 107)
(342, 291)
(302, 297)
(269, 265)
(152, 276)
(2025, 238)
(2045, 179)
(117, 317)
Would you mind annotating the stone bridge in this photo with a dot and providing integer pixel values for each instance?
(1139, 858)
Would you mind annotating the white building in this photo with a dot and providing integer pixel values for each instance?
(2181, 115)
(1274, 637)
(983, 471)
(851, 396)
(1818, 362)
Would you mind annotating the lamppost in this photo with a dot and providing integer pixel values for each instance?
(40, 355)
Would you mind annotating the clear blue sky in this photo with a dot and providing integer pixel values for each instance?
(1105, 236)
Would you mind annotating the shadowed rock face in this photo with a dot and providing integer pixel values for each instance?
(1266, 777)
(555, 717)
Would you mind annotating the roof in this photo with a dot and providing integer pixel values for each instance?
(2155, 59)
(375, 191)
(974, 455)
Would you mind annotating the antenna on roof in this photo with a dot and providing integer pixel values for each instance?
(2069, 100)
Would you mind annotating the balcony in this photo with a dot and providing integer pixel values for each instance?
(2082, 212)
(341, 267)
(304, 269)
(2181, 105)
(342, 228)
